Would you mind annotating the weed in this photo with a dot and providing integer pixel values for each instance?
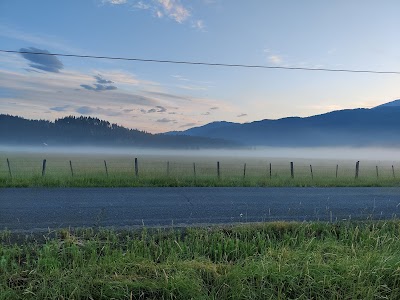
(346, 260)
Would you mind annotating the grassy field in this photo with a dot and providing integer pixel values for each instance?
(175, 170)
(258, 261)
(346, 260)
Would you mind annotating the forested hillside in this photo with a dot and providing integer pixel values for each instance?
(77, 131)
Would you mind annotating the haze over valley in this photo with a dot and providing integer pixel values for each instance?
(321, 136)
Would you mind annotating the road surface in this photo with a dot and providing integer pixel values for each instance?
(36, 209)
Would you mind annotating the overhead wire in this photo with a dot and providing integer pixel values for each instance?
(211, 64)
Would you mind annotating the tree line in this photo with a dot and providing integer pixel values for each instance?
(90, 131)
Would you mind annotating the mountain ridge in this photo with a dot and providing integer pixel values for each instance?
(90, 131)
(377, 126)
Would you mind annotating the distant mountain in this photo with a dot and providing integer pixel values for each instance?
(199, 131)
(88, 131)
(390, 104)
(379, 126)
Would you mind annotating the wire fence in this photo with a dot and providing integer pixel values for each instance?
(150, 167)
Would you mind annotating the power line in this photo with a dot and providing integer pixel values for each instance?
(203, 63)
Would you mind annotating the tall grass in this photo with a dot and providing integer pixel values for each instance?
(259, 261)
(189, 181)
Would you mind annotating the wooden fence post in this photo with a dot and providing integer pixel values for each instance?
(244, 171)
(337, 168)
(312, 175)
(9, 168)
(168, 168)
(291, 169)
(377, 172)
(357, 169)
(218, 170)
(105, 166)
(72, 170)
(270, 170)
(394, 176)
(136, 167)
(44, 168)
(194, 170)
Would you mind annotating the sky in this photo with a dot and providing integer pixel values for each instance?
(341, 34)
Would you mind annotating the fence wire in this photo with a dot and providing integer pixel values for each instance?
(202, 168)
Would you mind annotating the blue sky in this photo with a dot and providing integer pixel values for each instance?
(358, 34)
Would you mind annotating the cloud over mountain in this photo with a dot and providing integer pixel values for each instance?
(157, 109)
(88, 110)
(165, 120)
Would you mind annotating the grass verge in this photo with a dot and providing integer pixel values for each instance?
(188, 181)
(348, 260)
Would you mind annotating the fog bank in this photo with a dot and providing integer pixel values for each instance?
(331, 153)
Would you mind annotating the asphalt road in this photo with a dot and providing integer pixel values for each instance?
(36, 209)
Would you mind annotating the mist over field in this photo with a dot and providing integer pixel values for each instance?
(319, 153)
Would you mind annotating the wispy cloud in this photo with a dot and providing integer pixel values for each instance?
(192, 87)
(122, 77)
(60, 108)
(98, 87)
(39, 40)
(159, 14)
(42, 62)
(101, 84)
(199, 24)
(275, 59)
(157, 109)
(42, 90)
(165, 120)
(188, 125)
(142, 5)
(161, 109)
(114, 2)
(101, 80)
(241, 115)
(167, 95)
(180, 77)
(331, 51)
(172, 9)
(88, 110)
(84, 110)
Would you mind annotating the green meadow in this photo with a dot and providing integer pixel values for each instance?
(107, 170)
